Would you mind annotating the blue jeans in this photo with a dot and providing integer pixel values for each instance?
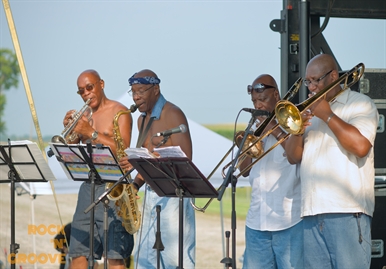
(277, 249)
(144, 254)
(338, 241)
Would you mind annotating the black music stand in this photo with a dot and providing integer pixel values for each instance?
(96, 164)
(175, 177)
(23, 162)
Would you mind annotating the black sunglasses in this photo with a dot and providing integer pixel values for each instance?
(89, 88)
(259, 87)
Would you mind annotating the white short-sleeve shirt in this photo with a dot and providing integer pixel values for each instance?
(275, 198)
(334, 180)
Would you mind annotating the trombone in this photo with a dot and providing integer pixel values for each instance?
(253, 147)
(257, 137)
(289, 115)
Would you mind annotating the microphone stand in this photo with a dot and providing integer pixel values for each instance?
(231, 178)
(158, 241)
(93, 177)
(163, 141)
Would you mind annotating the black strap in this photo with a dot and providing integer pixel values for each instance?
(142, 134)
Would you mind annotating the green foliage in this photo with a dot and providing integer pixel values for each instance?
(9, 70)
(2, 106)
(9, 78)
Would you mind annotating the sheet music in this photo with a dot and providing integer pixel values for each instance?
(133, 153)
(76, 168)
(27, 159)
(173, 151)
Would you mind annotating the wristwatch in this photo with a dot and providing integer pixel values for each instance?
(94, 135)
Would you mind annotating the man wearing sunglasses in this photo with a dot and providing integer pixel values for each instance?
(159, 115)
(98, 130)
(336, 160)
(273, 232)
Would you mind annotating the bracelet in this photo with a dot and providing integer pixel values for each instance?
(329, 118)
(135, 184)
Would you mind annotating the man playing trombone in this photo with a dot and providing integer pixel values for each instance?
(273, 233)
(336, 160)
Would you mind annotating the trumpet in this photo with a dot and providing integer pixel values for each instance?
(252, 146)
(289, 115)
(67, 134)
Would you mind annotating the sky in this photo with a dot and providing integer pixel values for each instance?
(204, 52)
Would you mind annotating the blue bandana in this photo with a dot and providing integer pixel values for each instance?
(143, 80)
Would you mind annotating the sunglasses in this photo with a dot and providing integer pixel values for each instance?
(259, 87)
(89, 88)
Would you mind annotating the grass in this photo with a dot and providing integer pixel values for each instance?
(242, 201)
(243, 195)
(226, 129)
(243, 198)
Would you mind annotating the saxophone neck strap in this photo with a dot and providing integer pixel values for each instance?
(143, 133)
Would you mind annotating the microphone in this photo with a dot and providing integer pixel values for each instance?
(179, 129)
(256, 112)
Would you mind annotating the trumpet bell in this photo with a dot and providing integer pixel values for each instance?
(289, 117)
(58, 139)
(253, 152)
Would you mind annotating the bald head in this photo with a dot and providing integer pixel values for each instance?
(265, 93)
(323, 62)
(89, 72)
(266, 79)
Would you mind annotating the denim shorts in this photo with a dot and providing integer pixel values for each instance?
(338, 241)
(274, 249)
(120, 243)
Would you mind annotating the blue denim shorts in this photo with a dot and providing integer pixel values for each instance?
(120, 243)
(338, 241)
(274, 249)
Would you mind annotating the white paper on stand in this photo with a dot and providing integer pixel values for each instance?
(173, 151)
(29, 164)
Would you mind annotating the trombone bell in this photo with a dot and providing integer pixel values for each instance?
(289, 117)
(256, 148)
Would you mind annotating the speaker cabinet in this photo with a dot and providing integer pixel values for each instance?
(373, 84)
(380, 139)
(378, 230)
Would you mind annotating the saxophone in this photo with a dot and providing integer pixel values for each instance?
(124, 195)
